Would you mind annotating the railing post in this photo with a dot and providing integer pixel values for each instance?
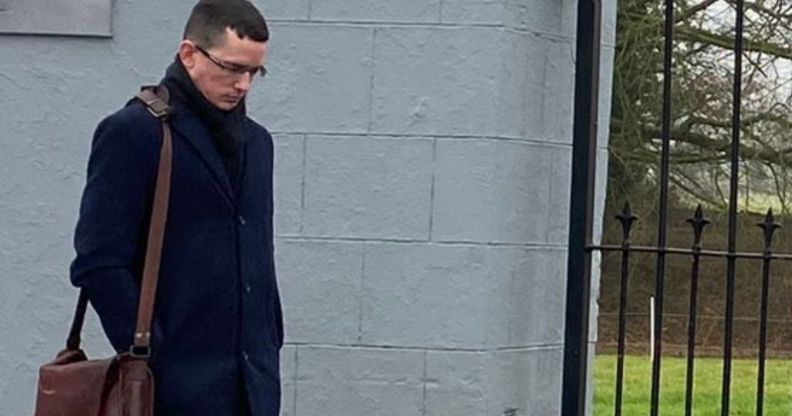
(698, 222)
(769, 226)
(584, 154)
(731, 267)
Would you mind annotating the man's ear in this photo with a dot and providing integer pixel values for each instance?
(187, 54)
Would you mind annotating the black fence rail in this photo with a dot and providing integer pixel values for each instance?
(709, 331)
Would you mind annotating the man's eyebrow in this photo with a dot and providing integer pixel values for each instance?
(240, 66)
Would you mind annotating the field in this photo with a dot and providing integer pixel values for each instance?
(707, 387)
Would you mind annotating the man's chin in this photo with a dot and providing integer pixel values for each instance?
(227, 105)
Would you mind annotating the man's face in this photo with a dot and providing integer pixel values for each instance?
(224, 73)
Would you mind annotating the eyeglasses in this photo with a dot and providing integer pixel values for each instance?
(232, 67)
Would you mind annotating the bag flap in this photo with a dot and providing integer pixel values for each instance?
(72, 385)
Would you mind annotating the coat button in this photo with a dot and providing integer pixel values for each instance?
(242, 220)
(248, 288)
(245, 356)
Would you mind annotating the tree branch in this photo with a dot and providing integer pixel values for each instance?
(685, 14)
(690, 34)
(766, 153)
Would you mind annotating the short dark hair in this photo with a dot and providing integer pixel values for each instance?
(210, 18)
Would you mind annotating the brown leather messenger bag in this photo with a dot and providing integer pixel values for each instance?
(73, 385)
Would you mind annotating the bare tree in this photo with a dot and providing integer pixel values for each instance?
(703, 74)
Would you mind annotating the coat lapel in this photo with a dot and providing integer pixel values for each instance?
(189, 127)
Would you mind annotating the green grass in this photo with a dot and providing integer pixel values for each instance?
(707, 387)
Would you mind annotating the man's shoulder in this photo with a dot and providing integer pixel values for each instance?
(259, 133)
(133, 115)
(258, 130)
(129, 129)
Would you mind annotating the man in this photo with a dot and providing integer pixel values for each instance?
(217, 327)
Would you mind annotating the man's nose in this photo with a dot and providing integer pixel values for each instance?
(243, 82)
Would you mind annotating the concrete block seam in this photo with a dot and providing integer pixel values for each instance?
(447, 243)
(384, 23)
(296, 375)
(549, 36)
(432, 197)
(407, 136)
(370, 137)
(424, 381)
(302, 185)
(513, 244)
(373, 63)
(384, 347)
(537, 347)
(361, 291)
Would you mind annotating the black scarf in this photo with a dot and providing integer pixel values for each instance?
(226, 127)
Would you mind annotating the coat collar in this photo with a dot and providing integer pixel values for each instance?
(196, 134)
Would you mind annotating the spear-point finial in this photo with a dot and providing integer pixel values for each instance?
(769, 226)
(698, 221)
(627, 218)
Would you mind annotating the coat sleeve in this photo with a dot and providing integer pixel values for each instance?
(110, 235)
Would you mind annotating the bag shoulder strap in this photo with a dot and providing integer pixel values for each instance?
(155, 98)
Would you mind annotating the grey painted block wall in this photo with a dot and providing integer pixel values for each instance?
(423, 158)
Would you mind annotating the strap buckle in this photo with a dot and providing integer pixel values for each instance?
(141, 352)
(158, 108)
(156, 100)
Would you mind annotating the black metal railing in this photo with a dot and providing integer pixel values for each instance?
(698, 223)
(581, 217)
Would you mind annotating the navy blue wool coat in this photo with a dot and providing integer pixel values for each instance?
(217, 327)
